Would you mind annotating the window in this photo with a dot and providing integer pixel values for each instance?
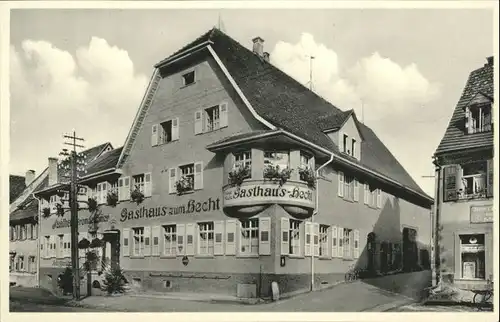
(479, 118)
(206, 238)
(353, 147)
(344, 143)
(187, 176)
(165, 133)
(62, 247)
(474, 179)
(138, 240)
(139, 182)
(294, 233)
(305, 160)
(472, 256)
(23, 232)
(188, 78)
(249, 237)
(20, 260)
(170, 240)
(113, 187)
(276, 158)
(243, 159)
(347, 242)
(32, 264)
(348, 187)
(212, 119)
(12, 233)
(468, 180)
(101, 192)
(323, 240)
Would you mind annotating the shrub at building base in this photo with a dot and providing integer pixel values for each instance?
(65, 281)
(114, 281)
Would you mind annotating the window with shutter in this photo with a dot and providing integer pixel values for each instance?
(340, 248)
(198, 122)
(285, 240)
(198, 175)
(230, 237)
(450, 183)
(340, 185)
(356, 190)
(147, 185)
(175, 129)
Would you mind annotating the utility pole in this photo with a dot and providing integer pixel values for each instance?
(435, 229)
(311, 244)
(73, 204)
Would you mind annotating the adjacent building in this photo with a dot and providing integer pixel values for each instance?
(215, 188)
(464, 186)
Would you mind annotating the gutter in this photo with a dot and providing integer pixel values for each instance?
(102, 172)
(437, 223)
(314, 214)
(38, 242)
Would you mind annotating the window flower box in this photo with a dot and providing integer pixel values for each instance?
(46, 212)
(277, 175)
(184, 184)
(238, 175)
(112, 198)
(307, 174)
(136, 195)
(92, 204)
(59, 210)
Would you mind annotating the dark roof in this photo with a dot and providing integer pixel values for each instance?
(17, 184)
(29, 207)
(91, 154)
(104, 162)
(240, 136)
(455, 138)
(289, 105)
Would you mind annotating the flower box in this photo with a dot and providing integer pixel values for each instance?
(136, 195)
(275, 174)
(307, 174)
(112, 198)
(184, 184)
(238, 175)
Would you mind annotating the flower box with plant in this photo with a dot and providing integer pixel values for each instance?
(238, 175)
(275, 174)
(112, 198)
(307, 174)
(136, 195)
(184, 184)
(46, 212)
(92, 204)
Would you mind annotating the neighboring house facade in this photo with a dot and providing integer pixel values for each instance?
(23, 233)
(17, 184)
(205, 201)
(464, 195)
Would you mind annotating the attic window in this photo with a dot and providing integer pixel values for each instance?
(188, 78)
(345, 143)
(478, 118)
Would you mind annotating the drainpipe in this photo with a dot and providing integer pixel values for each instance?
(39, 237)
(437, 208)
(314, 214)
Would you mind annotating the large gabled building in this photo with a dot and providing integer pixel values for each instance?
(464, 187)
(215, 188)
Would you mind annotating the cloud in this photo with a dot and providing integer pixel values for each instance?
(393, 99)
(95, 91)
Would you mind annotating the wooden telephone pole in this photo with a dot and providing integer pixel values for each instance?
(73, 204)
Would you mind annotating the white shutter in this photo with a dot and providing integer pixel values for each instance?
(198, 175)
(126, 242)
(219, 237)
(307, 239)
(356, 244)
(315, 227)
(120, 189)
(172, 178)
(356, 190)
(181, 232)
(341, 184)
(334, 241)
(265, 236)
(341, 140)
(285, 236)
(223, 115)
(175, 129)
(379, 198)
(231, 237)
(147, 185)
(198, 122)
(155, 241)
(340, 232)
(104, 192)
(147, 241)
(468, 126)
(190, 234)
(366, 194)
(154, 135)
(126, 188)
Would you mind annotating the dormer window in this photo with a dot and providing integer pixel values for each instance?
(188, 78)
(478, 118)
(346, 137)
(353, 148)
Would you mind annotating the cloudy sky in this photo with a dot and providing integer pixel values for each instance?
(401, 70)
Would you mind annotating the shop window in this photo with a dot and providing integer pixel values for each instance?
(323, 240)
(294, 233)
(472, 255)
(188, 78)
(243, 160)
(212, 119)
(138, 241)
(169, 240)
(277, 158)
(249, 242)
(206, 238)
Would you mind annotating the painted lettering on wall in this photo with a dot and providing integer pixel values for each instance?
(277, 192)
(63, 223)
(192, 206)
(61, 263)
(481, 214)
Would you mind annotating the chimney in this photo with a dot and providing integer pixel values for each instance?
(30, 176)
(490, 60)
(258, 46)
(52, 171)
(266, 56)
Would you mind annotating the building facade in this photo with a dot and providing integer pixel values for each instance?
(215, 188)
(23, 233)
(464, 186)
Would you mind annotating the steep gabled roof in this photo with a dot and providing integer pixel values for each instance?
(284, 103)
(455, 138)
(105, 162)
(16, 186)
(26, 205)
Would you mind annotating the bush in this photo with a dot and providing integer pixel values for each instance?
(114, 281)
(65, 281)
